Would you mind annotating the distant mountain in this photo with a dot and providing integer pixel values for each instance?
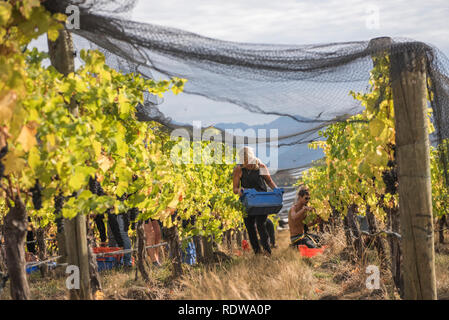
(285, 125)
(291, 156)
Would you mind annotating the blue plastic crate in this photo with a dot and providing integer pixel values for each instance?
(261, 203)
(189, 254)
(32, 269)
(106, 263)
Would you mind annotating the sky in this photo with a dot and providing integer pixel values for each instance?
(292, 22)
(303, 21)
(286, 22)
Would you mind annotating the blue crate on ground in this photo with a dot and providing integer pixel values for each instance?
(189, 254)
(106, 263)
(32, 269)
(261, 203)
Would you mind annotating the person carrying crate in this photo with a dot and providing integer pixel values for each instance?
(296, 216)
(253, 174)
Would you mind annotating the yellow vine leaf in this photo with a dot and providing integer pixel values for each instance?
(5, 12)
(105, 163)
(27, 7)
(53, 34)
(13, 162)
(27, 136)
(7, 104)
(33, 158)
(376, 127)
(174, 202)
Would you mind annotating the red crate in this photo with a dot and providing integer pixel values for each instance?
(117, 257)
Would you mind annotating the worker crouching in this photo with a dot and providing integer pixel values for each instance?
(297, 215)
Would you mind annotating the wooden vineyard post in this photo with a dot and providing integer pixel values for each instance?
(62, 58)
(238, 239)
(378, 241)
(40, 239)
(141, 251)
(228, 239)
(208, 249)
(441, 224)
(357, 241)
(15, 233)
(409, 87)
(77, 254)
(175, 250)
(198, 248)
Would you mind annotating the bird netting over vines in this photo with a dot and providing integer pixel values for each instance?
(303, 87)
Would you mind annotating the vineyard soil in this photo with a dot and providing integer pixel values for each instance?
(286, 275)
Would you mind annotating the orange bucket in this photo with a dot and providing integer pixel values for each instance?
(309, 252)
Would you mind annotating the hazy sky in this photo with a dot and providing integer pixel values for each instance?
(292, 22)
(289, 22)
(303, 21)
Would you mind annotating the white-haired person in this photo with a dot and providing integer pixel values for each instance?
(251, 173)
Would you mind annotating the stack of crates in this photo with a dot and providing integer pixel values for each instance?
(107, 262)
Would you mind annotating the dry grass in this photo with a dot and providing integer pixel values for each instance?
(117, 285)
(285, 275)
(442, 272)
(282, 276)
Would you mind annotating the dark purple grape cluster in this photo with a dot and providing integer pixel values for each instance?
(391, 163)
(123, 197)
(59, 203)
(390, 179)
(390, 176)
(3, 153)
(95, 187)
(36, 191)
(133, 213)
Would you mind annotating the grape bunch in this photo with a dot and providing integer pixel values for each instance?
(2, 169)
(59, 203)
(390, 176)
(95, 187)
(3, 152)
(390, 179)
(133, 213)
(391, 163)
(36, 191)
(122, 198)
